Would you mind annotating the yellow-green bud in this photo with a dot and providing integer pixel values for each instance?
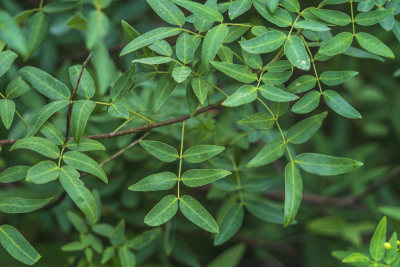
(387, 245)
(398, 242)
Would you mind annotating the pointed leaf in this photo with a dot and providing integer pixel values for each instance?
(238, 7)
(162, 47)
(43, 172)
(238, 72)
(156, 182)
(7, 110)
(38, 144)
(81, 111)
(376, 247)
(311, 25)
(16, 88)
(302, 131)
(165, 87)
(123, 84)
(264, 211)
(268, 154)
(86, 86)
(302, 84)
(293, 192)
(212, 42)
(180, 73)
(97, 28)
(273, 93)
(203, 11)
(167, 11)
(340, 105)
(200, 177)
(373, 45)
(296, 53)
(126, 257)
(6, 59)
(84, 163)
(38, 27)
(85, 144)
(163, 211)
(333, 78)
(153, 60)
(185, 48)
(11, 34)
(372, 17)
(160, 150)
(245, 94)
(13, 174)
(200, 153)
(231, 223)
(261, 121)
(307, 103)
(22, 205)
(337, 45)
(331, 16)
(264, 43)
(200, 89)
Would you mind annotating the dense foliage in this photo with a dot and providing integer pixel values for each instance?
(183, 133)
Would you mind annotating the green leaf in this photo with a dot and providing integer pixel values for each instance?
(200, 153)
(163, 211)
(261, 121)
(6, 60)
(234, 33)
(83, 198)
(212, 42)
(123, 84)
(231, 223)
(238, 72)
(156, 182)
(252, 60)
(149, 38)
(180, 73)
(291, 5)
(376, 248)
(11, 34)
(372, 17)
(38, 144)
(273, 93)
(311, 25)
(302, 84)
(167, 11)
(357, 257)
(340, 105)
(279, 66)
(160, 150)
(152, 60)
(97, 28)
(126, 257)
(391, 255)
(144, 239)
(13, 174)
(118, 110)
(185, 48)
(302, 131)
(7, 110)
(264, 43)
(16, 88)
(373, 45)
(200, 89)
(103, 65)
(326, 165)
(165, 87)
(200, 10)
(230, 257)
(108, 254)
(197, 214)
(80, 115)
(333, 78)
(238, 7)
(15, 244)
(296, 53)
(45, 84)
(331, 16)
(44, 114)
(200, 177)
(276, 78)
(22, 205)
(117, 236)
(52, 133)
(84, 163)
(264, 211)
(280, 18)
(307, 103)
(245, 94)
(268, 154)
(77, 21)
(86, 86)
(85, 144)
(73, 246)
(38, 27)
(337, 45)
(293, 192)
(77, 221)
(43, 172)
(162, 47)
(57, 7)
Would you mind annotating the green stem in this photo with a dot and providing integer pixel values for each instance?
(21, 118)
(313, 64)
(141, 116)
(123, 124)
(352, 17)
(180, 158)
(41, 4)
(238, 181)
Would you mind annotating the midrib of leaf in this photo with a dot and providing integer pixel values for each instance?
(198, 215)
(202, 177)
(156, 182)
(293, 189)
(322, 164)
(195, 154)
(20, 205)
(16, 245)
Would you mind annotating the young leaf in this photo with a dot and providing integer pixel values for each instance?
(200, 153)
(212, 42)
(376, 248)
(152, 60)
(356, 258)
(86, 86)
(293, 192)
(85, 144)
(160, 150)
(238, 72)
(307, 103)
(333, 78)
(264, 43)
(302, 131)
(340, 105)
(197, 214)
(74, 246)
(83, 198)
(373, 45)
(200, 177)
(163, 211)
(126, 257)
(165, 87)
(296, 53)
(231, 223)
(81, 111)
(13, 174)
(108, 254)
(268, 154)
(38, 144)
(16, 88)
(273, 93)
(117, 236)
(6, 59)
(337, 45)
(200, 89)
(203, 11)
(149, 38)
(167, 11)
(15, 244)
(372, 17)
(302, 84)
(185, 48)
(11, 34)
(331, 16)
(97, 27)
(264, 211)
(238, 7)
(123, 84)
(144, 239)
(45, 84)
(7, 110)
(245, 94)
(37, 31)
(43, 172)
(230, 257)
(156, 182)
(326, 165)
(22, 205)
(84, 163)
(77, 222)
(180, 73)
(261, 121)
